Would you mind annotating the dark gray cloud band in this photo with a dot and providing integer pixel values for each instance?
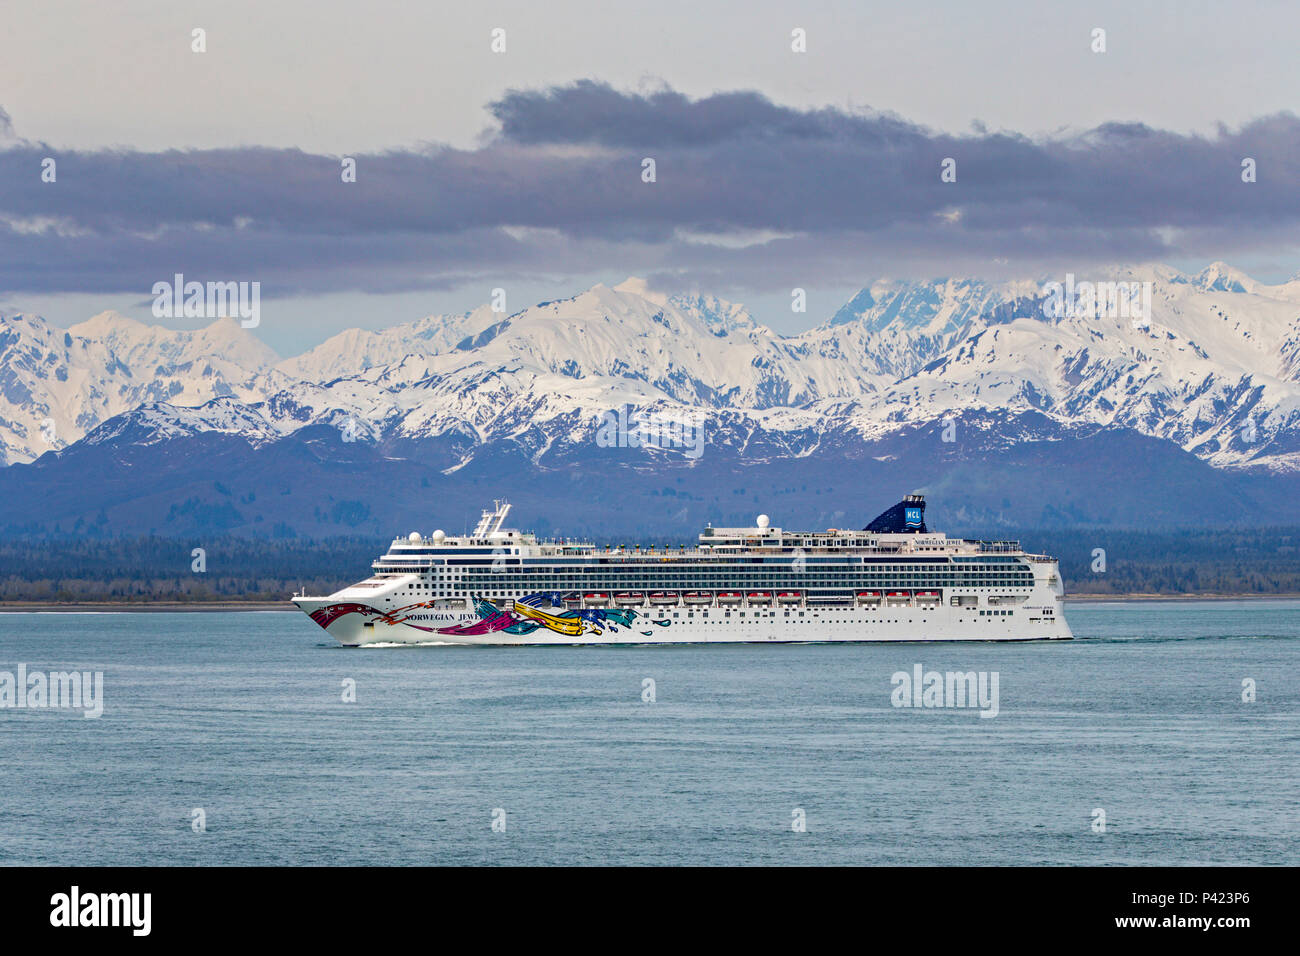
(840, 196)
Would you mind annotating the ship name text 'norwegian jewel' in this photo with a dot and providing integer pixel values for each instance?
(892, 581)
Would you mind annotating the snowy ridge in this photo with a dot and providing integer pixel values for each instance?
(56, 385)
(1216, 370)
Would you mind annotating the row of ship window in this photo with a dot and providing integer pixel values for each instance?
(733, 568)
(693, 573)
(892, 620)
(742, 575)
(801, 614)
(552, 582)
(507, 584)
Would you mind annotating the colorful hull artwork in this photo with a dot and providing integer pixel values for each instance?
(526, 615)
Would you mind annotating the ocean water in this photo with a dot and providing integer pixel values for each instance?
(241, 715)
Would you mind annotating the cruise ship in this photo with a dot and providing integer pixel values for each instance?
(894, 580)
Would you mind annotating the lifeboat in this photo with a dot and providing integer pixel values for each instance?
(790, 597)
(663, 597)
(629, 597)
(927, 595)
(759, 597)
(728, 597)
(698, 597)
(596, 597)
(868, 596)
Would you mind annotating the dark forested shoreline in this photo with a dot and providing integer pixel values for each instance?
(147, 570)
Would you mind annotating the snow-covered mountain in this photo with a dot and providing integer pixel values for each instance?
(895, 328)
(355, 350)
(56, 384)
(1214, 369)
(1206, 372)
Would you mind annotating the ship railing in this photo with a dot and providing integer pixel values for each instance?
(659, 552)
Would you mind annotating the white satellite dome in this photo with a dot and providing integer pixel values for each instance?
(413, 536)
(439, 535)
(764, 521)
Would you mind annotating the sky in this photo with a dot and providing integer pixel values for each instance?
(523, 169)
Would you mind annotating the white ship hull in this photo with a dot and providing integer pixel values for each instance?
(1028, 622)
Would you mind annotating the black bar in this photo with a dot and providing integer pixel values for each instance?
(927, 909)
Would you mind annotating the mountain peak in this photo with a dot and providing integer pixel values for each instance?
(155, 422)
(1221, 277)
(29, 320)
(106, 323)
(854, 309)
(633, 285)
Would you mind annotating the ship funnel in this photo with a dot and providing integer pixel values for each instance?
(906, 517)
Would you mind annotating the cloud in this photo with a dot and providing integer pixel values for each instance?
(834, 195)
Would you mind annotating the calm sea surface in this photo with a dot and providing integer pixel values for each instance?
(241, 714)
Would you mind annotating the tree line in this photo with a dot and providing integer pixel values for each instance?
(153, 568)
